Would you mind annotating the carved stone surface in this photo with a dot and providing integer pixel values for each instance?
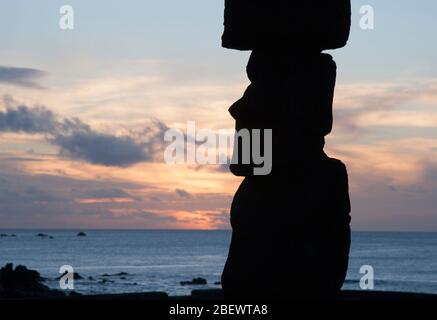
(314, 24)
(291, 94)
(291, 233)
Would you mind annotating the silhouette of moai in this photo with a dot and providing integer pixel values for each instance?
(291, 228)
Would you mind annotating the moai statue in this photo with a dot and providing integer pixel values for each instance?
(291, 228)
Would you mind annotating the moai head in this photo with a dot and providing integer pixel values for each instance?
(286, 24)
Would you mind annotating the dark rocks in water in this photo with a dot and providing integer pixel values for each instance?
(44, 236)
(257, 24)
(23, 283)
(103, 281)
(81, 234)
(218, 283)
(5, 235)
(120, 274)
(76, 276)
(91, 278)
(195, 282)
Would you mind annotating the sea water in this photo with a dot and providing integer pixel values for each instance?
(138, 261)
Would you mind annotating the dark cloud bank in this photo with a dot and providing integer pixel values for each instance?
(78, 141)
(24, 77)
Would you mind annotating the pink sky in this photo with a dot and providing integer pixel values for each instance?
(125, 81)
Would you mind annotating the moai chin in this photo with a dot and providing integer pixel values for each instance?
(291, 232)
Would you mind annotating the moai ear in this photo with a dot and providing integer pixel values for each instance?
(301, 24)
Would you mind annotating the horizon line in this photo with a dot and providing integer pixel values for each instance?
(192, 230)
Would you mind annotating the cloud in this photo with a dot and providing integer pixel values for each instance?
(24, 77)
(385, 134)
(155, 217)
(393, 183)
(103, 149)
(403, 105)
(78, 141)
(50, 201)
(13, 192)
(27, 120)
(398, 206)
(385, 95)
(220, 219)
(183, 194)
(108, 193)
(400, 118)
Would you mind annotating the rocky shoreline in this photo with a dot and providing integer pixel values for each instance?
(21, 283)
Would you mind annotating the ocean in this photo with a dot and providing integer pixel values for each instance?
(140, 261)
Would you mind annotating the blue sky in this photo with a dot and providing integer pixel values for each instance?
(400, 46)
(128, 62)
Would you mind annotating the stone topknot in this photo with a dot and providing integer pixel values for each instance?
(285, 24)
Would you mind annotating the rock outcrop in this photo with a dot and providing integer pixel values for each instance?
(291, 233)
(195, 282)
(76, 276)
(6, 235)
(23, 283)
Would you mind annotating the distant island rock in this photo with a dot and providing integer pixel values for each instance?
(81, 234)
(44, 236)
(120, 274)
(195, 282)
(76, 276)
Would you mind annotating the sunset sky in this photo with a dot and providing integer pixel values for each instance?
(132, 68)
